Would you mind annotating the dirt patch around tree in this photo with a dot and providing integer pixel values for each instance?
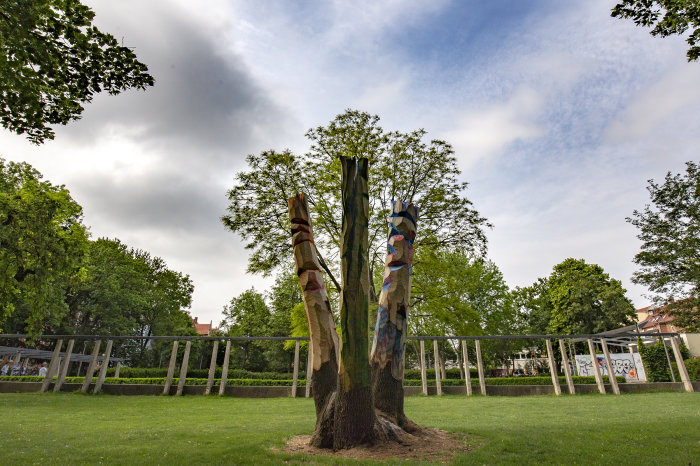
(426, 445)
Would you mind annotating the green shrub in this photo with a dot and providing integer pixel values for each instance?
(656, 363)
(414, 374)
(146, 372)
(23, 378)
(693, 366)
(301, 382)
(513, 381)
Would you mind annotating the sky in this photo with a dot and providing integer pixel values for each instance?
(558, 113)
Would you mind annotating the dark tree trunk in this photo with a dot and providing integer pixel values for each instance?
(354, 412)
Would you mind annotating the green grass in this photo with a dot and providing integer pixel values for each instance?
(65, 428)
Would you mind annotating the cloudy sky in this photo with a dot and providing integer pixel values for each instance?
(559, 115)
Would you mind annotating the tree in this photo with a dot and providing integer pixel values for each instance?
(456, 293)
(53, 60)
(283, 297)
(247, 315)
(403, 167)
(669, 229)
(42, 241)
(349, 225)
(666, 17)
(577, 298)
(126, 291)
(533, 304)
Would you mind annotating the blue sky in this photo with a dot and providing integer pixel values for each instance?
(559, 114)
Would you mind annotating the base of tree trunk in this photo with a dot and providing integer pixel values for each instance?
(354, 418)
(388, 397)
(424, 444)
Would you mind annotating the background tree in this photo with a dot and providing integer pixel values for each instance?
(402, 167)
(42, 241)
(126, 291)
(283, 297)
(532, 303)
(586, 300)
(247, 315)
(456, 293)
(665, 17)
(669, 229)
(576, 298)
(53, 60)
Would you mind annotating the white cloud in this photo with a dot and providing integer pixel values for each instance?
(649, 108)
(487, 132)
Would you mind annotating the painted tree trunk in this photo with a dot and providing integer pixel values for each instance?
(389, 345)
(354, 409)
(323, 335)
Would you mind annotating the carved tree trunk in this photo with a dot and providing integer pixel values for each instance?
(389, 344)
(343, 390)
(323, 335)
(354, 410)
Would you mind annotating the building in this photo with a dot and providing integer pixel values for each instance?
(652, 319)
(203, 329)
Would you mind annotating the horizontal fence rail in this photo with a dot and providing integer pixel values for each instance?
(61, 360)
(413, 337)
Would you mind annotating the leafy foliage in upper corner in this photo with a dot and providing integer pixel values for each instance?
(402, 166)
(665, 17)
(52, 60)
(54, 279)
(669, 229)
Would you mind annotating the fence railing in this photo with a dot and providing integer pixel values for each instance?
(60, 360)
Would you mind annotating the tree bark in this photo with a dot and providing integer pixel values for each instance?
(389, 345)
(343, 388)
(354, 411)
(323, 335)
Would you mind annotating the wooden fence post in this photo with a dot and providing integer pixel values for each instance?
(116, 369)
(438, 381)
(91, 367)
(64, 367)
(309, 372)
(183, 368)
(103, 368)
(553, 367)
(53, 366)
(467, 375)
(295, 376)
(609, 366)
(480, 367)
(212, 367)
(224, 369)
(171, 369)
(423, 370)
(682, 370)
(596, 369)
(567, 368)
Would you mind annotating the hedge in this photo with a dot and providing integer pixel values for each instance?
(158, 380)
(148, 372)
(300, 382)
(414, 374)
(693, 367)
(515, 381)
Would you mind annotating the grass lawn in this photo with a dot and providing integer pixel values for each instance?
(64, 428)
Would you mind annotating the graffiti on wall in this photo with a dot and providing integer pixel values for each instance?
(627, 365)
